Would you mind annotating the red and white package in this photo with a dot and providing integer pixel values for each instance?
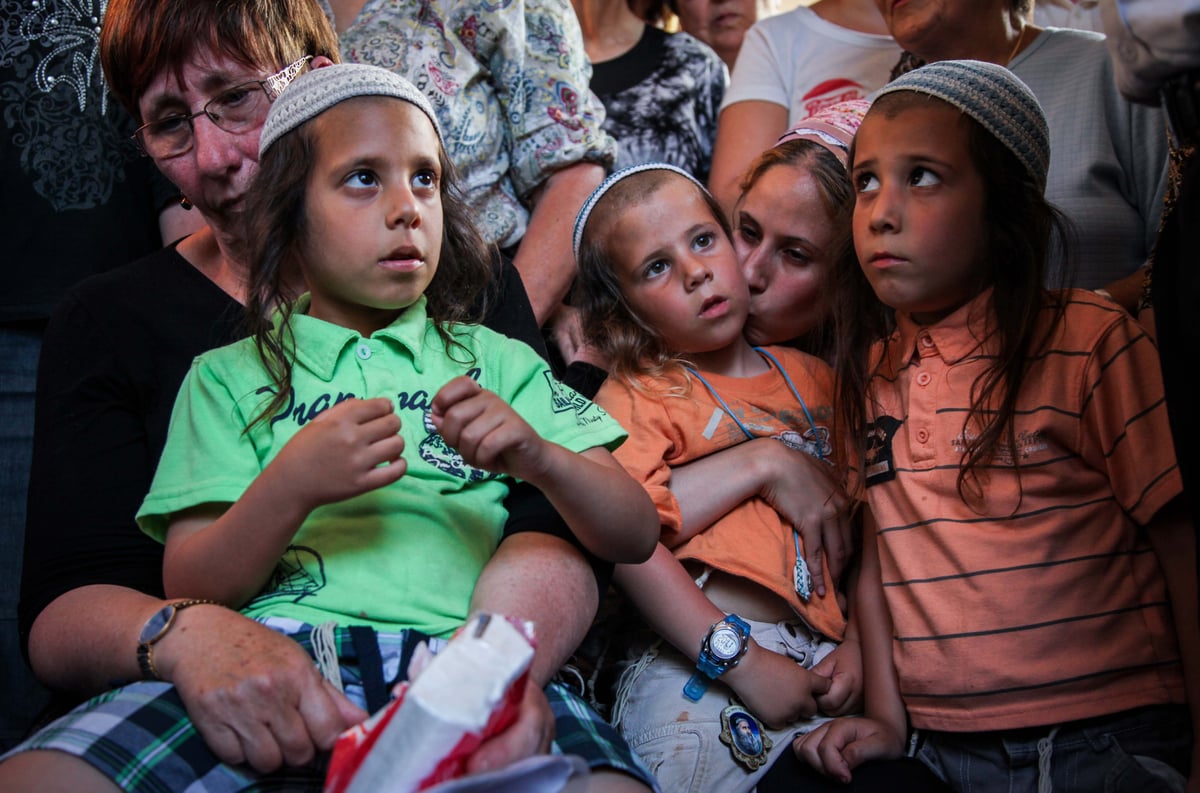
(468, 692)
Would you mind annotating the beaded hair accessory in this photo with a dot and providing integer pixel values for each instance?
(586, 210)
(832, 127)
(314, 92)
(993, 96)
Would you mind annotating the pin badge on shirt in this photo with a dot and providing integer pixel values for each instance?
(748, 742)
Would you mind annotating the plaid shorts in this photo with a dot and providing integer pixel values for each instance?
(141, 738)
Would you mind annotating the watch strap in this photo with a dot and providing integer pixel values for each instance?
(709, 668)
(739, 623)
(166, 615)
(696, 685)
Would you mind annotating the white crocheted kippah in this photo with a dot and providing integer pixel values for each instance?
(993, 96)
(586, 210)
(314, 92)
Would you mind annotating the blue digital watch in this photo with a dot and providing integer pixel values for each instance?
(721, 650)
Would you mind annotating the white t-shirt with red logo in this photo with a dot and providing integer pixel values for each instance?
(804, 63)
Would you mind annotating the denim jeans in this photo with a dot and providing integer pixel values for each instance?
(679, 740)
(22, 696)
(1144, 750)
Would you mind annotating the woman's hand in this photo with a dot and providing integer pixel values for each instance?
(838, 746)
(567, 333)
(806, 495)
(253, 694)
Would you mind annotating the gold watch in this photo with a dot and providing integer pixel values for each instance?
(156, 628)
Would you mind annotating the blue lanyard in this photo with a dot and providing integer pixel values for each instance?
(802, 579)
(791, 387)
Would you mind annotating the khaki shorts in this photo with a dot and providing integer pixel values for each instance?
(678, 740)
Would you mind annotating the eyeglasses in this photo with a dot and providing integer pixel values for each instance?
(235, 110)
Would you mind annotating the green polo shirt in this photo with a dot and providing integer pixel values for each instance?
(403, 556)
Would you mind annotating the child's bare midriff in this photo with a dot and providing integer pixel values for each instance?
(745, 598)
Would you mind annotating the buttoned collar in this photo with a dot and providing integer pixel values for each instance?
(320, 344)
(954, 337)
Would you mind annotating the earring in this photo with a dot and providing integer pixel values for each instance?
(183, 202)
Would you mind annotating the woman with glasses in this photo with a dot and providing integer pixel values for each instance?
(238, 109)
(199, 77)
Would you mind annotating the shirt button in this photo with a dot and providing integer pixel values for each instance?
(926, 341)
(923, 436)
(923, 378)
(363, 351)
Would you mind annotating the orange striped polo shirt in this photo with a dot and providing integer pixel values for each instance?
(1045, 602)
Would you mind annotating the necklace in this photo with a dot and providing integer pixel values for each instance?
(1016, 47)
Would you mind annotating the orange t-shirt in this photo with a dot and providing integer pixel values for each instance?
(1045, 602)
(751, 541)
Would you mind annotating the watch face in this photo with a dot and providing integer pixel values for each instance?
(156, 626)
(725, 643)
